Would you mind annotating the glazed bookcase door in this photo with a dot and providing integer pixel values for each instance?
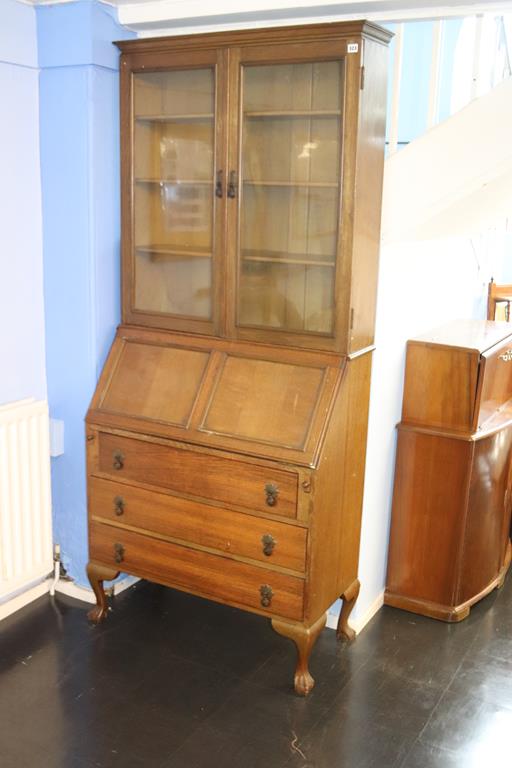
(287, 243)
(174, 192)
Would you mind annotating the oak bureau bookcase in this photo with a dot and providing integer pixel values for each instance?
(227, 435)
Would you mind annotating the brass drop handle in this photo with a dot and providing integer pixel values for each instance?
(232, 184)
(218, 185)
(269, 543)
(271, 491)
(118, 460)
(119, 505)
(118, 553)
(266, 595)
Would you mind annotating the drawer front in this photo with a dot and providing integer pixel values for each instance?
(208, 476)
(236, 533)
(214, 576)
(497, 382)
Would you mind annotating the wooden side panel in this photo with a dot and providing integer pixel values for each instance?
(193, 473)
(199, 572)
(338, 493)
(440, 386)
(488, 520)
(368, 195)
(429, 510)
(232, 533)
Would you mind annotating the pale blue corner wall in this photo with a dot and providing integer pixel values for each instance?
(22, 352)
(415, 78)
(79, 128)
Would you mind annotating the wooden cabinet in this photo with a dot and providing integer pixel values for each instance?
(226, 437)
(450, 529)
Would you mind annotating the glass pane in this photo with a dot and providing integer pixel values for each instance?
(173, 191)
(291, 166)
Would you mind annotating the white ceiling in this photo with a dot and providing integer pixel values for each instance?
(150, 17)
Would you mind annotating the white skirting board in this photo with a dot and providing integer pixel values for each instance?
(359, 623)
(86, 595)
(64, 587)
(22, 599)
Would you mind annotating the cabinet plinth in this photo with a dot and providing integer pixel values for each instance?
(450, 544)
(226, 438)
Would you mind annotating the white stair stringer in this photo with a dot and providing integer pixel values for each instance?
(456, 179)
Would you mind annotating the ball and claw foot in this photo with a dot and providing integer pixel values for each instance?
(304, 639)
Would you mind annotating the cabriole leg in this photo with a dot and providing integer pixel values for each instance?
(349, 598)
(304, 639)
(97, 574)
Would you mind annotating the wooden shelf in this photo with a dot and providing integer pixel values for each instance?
(294, 113)
(176, 182)
(294, 259)
(174, 118)
(171, 253)
(313, 184)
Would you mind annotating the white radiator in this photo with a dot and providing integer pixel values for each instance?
(26, 554)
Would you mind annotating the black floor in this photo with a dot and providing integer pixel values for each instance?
(172, 681)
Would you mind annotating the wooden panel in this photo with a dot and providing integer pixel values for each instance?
(213, 576)
(156, 382)
(233, 533)
(430, 497)
(497, 380)
(264, 401)
(367, 195)
(338, 493)
(440, 386)
(203, 475)
(488, 519)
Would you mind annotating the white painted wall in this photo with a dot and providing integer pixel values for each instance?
(22, 352)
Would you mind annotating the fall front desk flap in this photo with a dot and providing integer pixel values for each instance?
(268, 401)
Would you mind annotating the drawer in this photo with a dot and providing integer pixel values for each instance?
(205, 475)
(236, 533)
(192, 570)
(497, 380)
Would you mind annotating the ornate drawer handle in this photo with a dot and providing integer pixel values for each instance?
(118, 460)
(269, 543)
(506, 356)
(119, 505)
(266, 595)
(272, 492)
(118, 553)
(232, 184)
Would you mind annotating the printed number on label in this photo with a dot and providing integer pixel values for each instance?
(352, 47)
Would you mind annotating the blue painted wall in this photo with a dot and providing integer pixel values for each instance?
(415, 79)
(79, 127)
(22, 352)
